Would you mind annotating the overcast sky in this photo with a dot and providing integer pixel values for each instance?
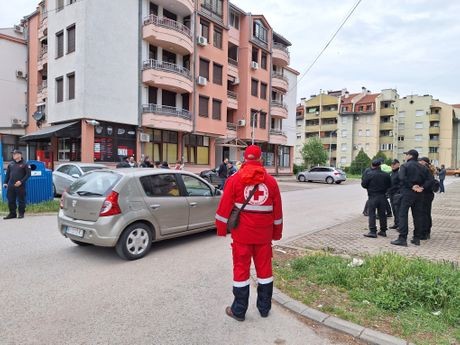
(411, 45)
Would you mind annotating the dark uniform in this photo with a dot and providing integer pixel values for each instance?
(395, 196)
(427, 201)
(411, 174)
(377, 183)
(124, 163)
(16, 171)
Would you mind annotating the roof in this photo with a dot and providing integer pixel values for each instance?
(349, 98)
(369, 98)
(456, 105)
(281, 39)
(48, 132)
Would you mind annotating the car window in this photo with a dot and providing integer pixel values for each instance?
(64, 169)
(95, 183)
(160, 185)
(73, 170)
(86, 169)
(196, 187)
(326, 169)
(314, 169)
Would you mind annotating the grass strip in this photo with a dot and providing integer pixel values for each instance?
(43, 207)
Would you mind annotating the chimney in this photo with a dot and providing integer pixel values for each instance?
(363, 89)
(344, 91)
(347, 94)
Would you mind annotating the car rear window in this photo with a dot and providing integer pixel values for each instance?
(95, 183)
(86, 169)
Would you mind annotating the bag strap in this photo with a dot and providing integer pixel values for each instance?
(253, 191)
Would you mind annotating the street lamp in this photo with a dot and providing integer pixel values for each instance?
(330, 146)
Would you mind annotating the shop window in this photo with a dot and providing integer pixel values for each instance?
(196, 149)
(284, 157)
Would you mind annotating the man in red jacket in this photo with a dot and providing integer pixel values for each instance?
(261, 221)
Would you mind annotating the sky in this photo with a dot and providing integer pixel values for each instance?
(410, 45)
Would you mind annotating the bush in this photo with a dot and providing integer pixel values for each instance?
(298, 168)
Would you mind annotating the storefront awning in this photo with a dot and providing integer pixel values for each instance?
(64, 129)
(231, 142)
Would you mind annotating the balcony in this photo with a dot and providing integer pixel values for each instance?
(435, 117)
(279, 109)
(327, 140)
(386, 139)
(329, 114)
(277, 137)
(42, 58)
(167, 76)
(43, 28)
(166, 117)
(280, 55)
(386, 126)
(232, 126)
(232, 100)
(434, 156)
(280, 82)
(387, 111)
(328, 127)
(165, 32)
(434, 130)
(311, 128)
(433, 143)
(233, 68)
(42, 91)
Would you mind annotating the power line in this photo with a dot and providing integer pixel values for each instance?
(327, 44)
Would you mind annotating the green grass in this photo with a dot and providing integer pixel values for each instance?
(393, 293)
(43, 207)
(353, 176)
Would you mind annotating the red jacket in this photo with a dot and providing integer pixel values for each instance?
(261, 221)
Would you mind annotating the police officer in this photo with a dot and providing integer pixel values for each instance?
(412, 178)
(17, 174)
(377, 183)
(395, 192)
(427, 197)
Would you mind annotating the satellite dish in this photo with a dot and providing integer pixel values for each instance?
(39, 116)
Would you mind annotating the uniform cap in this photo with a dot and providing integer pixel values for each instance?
(16, 151)
(376, 162)
(395, 161)
(252, 152)
(413, 153)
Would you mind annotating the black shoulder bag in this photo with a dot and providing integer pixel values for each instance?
(234, 218)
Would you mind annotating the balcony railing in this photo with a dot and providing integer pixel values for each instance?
(260, 42)
(166, 66)
(168, 23)
(232, 94)
(232, 62)
(281, 47)
(277, 132)
(280, 76)
(211, 11)
(231, 126)
(279, 104)
(43, 51)
(42, 86)
(166, 110)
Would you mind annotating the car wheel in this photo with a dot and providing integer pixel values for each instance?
(134, 242)
(329, 180)
(338, 182)
(301, 178)
(83, 244)
(457, 175)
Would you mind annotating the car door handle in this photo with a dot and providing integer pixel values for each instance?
(193, 204)
(155, 206)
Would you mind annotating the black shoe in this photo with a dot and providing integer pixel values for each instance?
(229, 312)
(415, 241)
(264, 314)
(21, 215)
(382, 233)
(10, 216)
(393, 227)
(371, 234)
(399, 242)
(389, 215)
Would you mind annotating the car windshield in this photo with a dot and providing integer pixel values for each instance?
(91, 168)
(96, 183)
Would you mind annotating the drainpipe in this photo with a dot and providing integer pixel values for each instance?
(195, 49)
(139, 81)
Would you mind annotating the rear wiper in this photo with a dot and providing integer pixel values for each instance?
(87, 193)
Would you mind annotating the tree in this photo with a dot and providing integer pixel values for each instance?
(313, 152)
(382, 156)
(360, 163)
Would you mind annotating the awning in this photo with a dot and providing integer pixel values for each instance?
(231, 142)
(64, 129)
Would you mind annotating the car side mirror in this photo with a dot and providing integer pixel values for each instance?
(217, 192)
(75, 175)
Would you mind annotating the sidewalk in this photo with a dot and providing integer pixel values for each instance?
(347, 238)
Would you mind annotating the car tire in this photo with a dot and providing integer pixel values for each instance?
(301, 178)
(338, 182)
(135, 242)
(329, 180)
(82, 244)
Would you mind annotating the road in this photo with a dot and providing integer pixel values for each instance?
(54, 292)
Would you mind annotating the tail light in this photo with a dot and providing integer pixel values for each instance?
(110, 207)
(61, 202)
(336, 173)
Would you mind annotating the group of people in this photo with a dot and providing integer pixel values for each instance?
(225, 170)
(410, 186)
(130, 162)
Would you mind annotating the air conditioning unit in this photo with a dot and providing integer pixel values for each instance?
(202, 41)
(357, 118)
(202, 81)
(236, 81)
(144, 137)
(19, 29)
(241, 123)
(20, 74)
(254, 65)
(17, 122)
(355, 147)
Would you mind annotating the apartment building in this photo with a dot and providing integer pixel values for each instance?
(186, 80)
(13, 88)
(300, 132)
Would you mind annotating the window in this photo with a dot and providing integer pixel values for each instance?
(217, 73)
(59, 5)
(361, 108)
(343, 160)
(216, 108)
(344, 119)
(254, 87)
(204, 68)
(253, 118)
(59, 44)
(418, 137)
(419, 125)
(263, 120)
(284, 156)
(217, 38)
(419, 112)
(259, 31)
(71, 86)
(196, 149)
(344, 133)
(203, 106)
(343, 147)
(360, 133)
(213, 6)
(204, 29)
(368, 132)
(59, 89)
(402, 114)
(255, 54)
(234, 20)
(369, 107)
(401, 138)
(72, 2)
(263, 90)
(71, 39)
(419, 150)
(433, 150)
(263, 60)
(163, 185)
(195, 187)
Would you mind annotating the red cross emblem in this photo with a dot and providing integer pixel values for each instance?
(260, 196)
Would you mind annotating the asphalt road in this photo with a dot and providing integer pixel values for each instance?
(54, 292)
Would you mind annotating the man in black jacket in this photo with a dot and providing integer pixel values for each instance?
(17, 173)
(395, 192)
(377, 183)
(412, 177)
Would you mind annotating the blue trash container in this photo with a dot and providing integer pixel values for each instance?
(39, 186)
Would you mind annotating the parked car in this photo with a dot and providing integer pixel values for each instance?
(130, 208)
(212, 176)
(453, 172)
(322, 174)
(66, 174)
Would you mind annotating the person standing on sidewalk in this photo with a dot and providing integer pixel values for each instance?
(222, 173)
(377, 184)
(260, 223)
(412, 179)
(395, 192)
(427, 197)
(442, 177)
(17, 173)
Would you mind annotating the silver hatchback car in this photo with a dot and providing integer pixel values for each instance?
(322, 174)
(130, 208)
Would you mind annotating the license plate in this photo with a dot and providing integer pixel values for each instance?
(74, 231)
